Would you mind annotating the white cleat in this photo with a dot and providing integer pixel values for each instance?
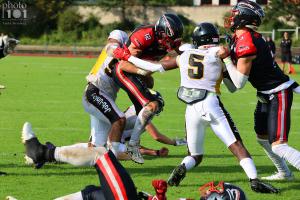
(28, 161)
(134, 152)
(10, 198)
(27, 132)
(279, 176)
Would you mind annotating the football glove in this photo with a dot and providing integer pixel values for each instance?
(122, 53)
(180, 142)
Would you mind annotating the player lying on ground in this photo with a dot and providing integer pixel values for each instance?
(7, 46)
(252, 60)
(39, 154)
(201, 74)
(150, 42)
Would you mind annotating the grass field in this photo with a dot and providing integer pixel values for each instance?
(47, 92)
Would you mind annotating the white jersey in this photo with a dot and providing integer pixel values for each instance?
(99, 78)
(201, 68)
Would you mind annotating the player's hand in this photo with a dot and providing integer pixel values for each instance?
(163, 152)
(122, 53)
(223, 52)
(180, 142)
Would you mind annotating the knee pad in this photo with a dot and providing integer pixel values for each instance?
(161, 103)
(92, 192)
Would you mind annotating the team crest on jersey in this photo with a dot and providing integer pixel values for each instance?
(147, 36)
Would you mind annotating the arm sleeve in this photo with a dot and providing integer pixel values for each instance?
(145, 65)
(237, 77)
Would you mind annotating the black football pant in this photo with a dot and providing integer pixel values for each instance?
(115, 182)
(273, 117)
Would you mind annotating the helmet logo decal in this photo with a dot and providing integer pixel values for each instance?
(170, 33)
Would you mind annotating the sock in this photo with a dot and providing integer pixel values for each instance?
(74, 196)
(78, 156)
(83, 145)
(115, 147)
(122, 147)
(189, 162)
(279, 163)
(248, 166)
(288, 153)
(144, 116)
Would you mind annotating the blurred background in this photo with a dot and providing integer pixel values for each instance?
(80, 27)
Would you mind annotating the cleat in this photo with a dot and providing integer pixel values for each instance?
(3, 173)
(279, 176)
(10, 198)
(177, 175)
(28, 161)
(34, 149)
(27, 132)
(135, 154)
(261, 187)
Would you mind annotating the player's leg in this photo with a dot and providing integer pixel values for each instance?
(224, 127)
(146, 106)
(279, 127)
(99, 104)
(115, 182)
(39, 153)
(90, 192)
(195, 130)
(261, 129)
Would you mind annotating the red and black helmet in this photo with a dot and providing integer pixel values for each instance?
(168, 30)
(245, 14)
(221, 191)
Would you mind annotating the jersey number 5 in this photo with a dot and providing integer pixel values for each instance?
(195, 70)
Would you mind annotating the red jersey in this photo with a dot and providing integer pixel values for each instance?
(144, 38)
(265, 73)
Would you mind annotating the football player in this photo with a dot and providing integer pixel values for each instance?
(251, 60)
(100, 95)
(201, 74)
(69, 154)
(99, 101)
(7, 46)
(151, 43)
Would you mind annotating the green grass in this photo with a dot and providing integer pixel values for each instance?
(47, 92)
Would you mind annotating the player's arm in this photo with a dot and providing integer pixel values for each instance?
(162, 152)
(126, 55)
(156, 135)
(239, 74)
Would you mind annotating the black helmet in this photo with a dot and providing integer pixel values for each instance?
(221, 191)
(169, 29)
(205, 33)
(245, 14)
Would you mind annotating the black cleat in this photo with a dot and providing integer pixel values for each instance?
(36, 151)
(261, 187)
(177, 175)
(3, 173)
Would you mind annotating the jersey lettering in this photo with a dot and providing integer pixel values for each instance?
(147, 36)
(195, 69)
